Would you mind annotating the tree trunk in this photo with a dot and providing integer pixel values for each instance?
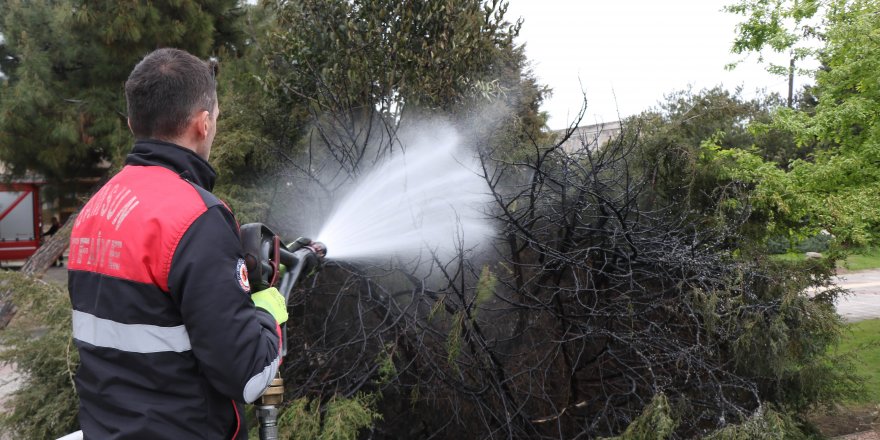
(37, 265)
(791, 83)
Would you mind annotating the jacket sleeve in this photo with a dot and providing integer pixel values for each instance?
(236, 344)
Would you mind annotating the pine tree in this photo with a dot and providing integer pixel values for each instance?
(63, 107)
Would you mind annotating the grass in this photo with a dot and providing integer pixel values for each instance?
(865, 259)
(862, 259)
(864, 341)
(789, 257)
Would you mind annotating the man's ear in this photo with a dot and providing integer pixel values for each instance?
(203, 123)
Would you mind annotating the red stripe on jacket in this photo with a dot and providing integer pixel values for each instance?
(108, 240)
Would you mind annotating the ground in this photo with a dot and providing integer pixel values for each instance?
(848, 423)
(855, 422)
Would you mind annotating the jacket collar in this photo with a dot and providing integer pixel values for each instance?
(184, 162)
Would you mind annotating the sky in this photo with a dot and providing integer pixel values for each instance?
(627, 54)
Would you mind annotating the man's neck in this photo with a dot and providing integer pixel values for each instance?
(187, 143)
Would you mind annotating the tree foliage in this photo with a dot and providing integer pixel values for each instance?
(686, 144)
(40, 347)
(337, 419)
(63, 106)
(783, 26)
(329, 75)
(836, 188)
(390, 55)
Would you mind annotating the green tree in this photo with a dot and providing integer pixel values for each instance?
(63, 107)
(783, 26)
(45, 404)
(684, 174)
(64, 63)
(837, 188)
(332, 79)
(396, 56)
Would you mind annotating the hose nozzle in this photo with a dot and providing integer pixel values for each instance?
(317, 248)
(320, 249)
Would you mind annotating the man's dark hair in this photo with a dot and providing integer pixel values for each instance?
(165, 89)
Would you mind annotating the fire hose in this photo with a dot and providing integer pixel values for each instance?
(271, 263)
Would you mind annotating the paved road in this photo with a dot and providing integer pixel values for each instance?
(864, 302)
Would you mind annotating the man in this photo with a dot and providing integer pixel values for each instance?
(53, 228)
(170, 340)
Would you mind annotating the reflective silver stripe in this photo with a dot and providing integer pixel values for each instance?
(135, 338)
(258, 384)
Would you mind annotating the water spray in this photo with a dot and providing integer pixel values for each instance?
(429, 197)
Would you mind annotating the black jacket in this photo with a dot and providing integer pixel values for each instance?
(170, 342)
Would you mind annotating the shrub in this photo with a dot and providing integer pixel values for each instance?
(38, 342)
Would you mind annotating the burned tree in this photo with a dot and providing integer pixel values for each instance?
(590, 303)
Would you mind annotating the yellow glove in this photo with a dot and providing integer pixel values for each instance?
(271, 301)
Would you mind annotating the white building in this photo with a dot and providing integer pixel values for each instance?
(590, 136)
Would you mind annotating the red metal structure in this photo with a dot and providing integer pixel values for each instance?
(20, 220)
